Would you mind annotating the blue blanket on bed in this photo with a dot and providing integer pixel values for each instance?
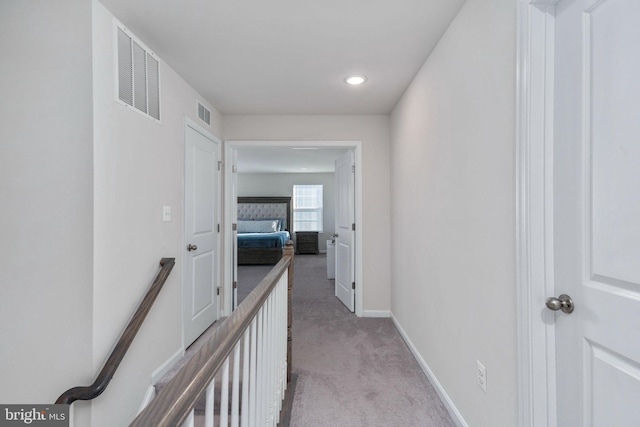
(263, 240)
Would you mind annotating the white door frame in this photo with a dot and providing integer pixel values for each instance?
(229, 147)
(534, 163)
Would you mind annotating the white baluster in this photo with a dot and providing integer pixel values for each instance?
(282, 314)
(260, 371)
(253, 381)
(272, 358)
(244, 416)
(275, 385)
(285, 323)
(235, 392)
(209, 411)
(189, 422)
(265, 363)
(224, 394)
(267, 369)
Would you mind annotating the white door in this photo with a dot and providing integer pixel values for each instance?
(345, 229)
(201, 234)
(597, 211)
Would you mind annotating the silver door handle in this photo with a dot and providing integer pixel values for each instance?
(563, 303)
(191, 247)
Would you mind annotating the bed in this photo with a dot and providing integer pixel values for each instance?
(263, 228)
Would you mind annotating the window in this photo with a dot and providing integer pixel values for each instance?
(307, 208)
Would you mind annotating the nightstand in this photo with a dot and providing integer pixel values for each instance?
(307, 242)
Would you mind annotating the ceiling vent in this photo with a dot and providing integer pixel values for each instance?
(204, 114)
(138, 76)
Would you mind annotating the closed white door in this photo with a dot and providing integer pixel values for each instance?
(597, 212)
(345, 229)
(201, 234)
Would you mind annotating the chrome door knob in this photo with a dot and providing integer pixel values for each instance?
(563, 303)
(191, 247)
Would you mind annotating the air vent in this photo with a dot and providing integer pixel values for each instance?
(138, 76)
(204, 114)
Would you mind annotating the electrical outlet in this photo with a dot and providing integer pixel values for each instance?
(482, 376)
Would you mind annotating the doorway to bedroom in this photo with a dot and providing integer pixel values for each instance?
(271, 169)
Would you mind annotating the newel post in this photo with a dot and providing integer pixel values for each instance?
(288, 251)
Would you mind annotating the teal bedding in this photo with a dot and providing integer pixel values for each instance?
(263, 240)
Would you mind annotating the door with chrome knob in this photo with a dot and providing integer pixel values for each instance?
(563, 303)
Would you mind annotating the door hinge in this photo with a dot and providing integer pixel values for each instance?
(353, 168)
(234, 168)
(235, 285)
(218, 290)
(218, 228)
(234, 227)
(353, 285)
(353, 227)
(220, 163)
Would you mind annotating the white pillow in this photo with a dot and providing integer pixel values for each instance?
(258, 226)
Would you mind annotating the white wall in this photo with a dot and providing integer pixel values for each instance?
(46, 198)
(281, 184)
(373, 131)
(453, 210)
(139, 167)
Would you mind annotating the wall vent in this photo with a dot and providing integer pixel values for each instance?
(204, 114)
(138, 76)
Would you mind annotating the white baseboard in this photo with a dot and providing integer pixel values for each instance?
(148, 397)
(448, 403)
(164, 368)
(376, 313)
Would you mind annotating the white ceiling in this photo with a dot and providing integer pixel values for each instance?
(291, 56)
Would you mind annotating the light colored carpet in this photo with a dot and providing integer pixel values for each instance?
(249, 276)
(351, 371)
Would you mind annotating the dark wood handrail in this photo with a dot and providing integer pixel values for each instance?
(171, 406)
(112, 363)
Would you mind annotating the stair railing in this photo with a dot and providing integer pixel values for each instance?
(123, 344)
(253, 343)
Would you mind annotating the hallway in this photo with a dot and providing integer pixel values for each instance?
(352, 371)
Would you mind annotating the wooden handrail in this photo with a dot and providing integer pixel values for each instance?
(119, 351)
(172, 405)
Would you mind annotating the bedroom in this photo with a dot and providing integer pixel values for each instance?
(272, 172)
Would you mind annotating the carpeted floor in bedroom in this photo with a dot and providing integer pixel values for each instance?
(351, 371)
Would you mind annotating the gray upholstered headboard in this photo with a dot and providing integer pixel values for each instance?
(265, 208)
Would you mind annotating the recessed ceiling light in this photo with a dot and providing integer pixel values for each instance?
(355, 80)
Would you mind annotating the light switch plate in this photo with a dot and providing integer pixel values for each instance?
(166, 213)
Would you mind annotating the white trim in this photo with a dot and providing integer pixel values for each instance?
(166, 366)
(149, 395)
(228, 160)
(456, 416)
(534, 195)
(376, 313)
